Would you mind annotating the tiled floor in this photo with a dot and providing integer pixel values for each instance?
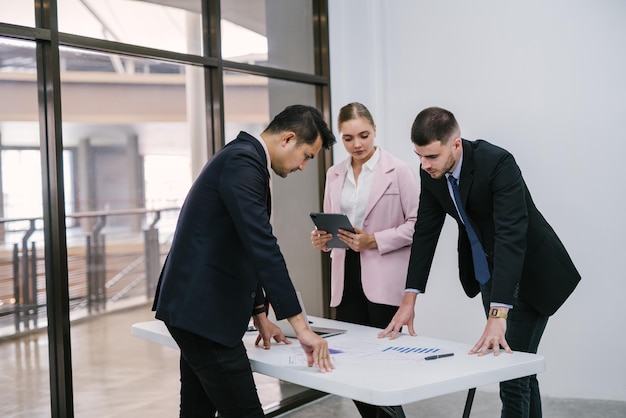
(116, 375)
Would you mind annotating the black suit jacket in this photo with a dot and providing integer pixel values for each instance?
(224, 256)
(526, 258)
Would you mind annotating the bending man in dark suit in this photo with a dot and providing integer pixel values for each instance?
(224, 261)
(528, 273)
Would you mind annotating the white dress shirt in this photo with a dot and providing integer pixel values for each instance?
(354, 194)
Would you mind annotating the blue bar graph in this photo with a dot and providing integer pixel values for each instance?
(404, 350)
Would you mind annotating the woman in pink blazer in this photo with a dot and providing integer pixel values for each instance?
(379, 193)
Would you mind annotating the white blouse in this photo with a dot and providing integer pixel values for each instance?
(354, 195)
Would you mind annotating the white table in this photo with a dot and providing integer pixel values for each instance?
(367, 373)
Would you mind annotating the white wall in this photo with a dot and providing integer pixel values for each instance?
(547, 81)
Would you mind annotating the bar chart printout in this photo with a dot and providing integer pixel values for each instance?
(407, 350)
(407, 353)
(389, 353)
(360, 350)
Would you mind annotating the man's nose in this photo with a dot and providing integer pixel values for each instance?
(301, 166)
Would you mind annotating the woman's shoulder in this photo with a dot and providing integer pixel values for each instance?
(338, 167)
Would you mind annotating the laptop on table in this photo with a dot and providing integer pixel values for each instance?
(288, 331)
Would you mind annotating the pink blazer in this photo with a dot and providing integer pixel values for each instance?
(390, 215)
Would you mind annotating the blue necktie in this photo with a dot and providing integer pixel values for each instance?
(481, 270)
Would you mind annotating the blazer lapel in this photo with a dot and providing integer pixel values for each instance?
(336, 185)
(380, 184)
(467, 172)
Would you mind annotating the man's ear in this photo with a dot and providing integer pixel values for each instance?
(458, 143)
(287, 137)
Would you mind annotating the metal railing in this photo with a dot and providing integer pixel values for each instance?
(110, 266)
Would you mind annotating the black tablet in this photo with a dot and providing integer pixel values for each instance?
(332, 222)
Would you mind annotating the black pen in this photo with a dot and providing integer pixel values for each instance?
(436, 356)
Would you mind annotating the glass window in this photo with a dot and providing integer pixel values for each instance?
(23, 194)
(273, 33)
(132, 136)
(22, 251)
(141, 23)
(251, 101)
(246, 104)
(17, 12)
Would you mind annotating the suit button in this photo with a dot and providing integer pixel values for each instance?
(253, 295)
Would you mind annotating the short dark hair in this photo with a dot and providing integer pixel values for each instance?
(434, 124)
(354, 110)
(306, 122)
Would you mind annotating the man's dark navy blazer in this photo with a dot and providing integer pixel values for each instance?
(224, 256)
(526, 258)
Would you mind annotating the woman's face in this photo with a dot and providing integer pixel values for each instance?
(358, 138)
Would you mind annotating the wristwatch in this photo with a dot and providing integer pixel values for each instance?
(496, 313)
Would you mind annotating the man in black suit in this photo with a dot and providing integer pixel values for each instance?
(526, 274)
(225, 263)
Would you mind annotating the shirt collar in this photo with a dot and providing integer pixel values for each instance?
(457, 171)
(267, 152)
(370, 164)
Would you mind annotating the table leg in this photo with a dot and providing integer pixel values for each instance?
(468, 402)
(394, 411)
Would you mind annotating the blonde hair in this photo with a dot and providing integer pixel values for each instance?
(354, 110)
